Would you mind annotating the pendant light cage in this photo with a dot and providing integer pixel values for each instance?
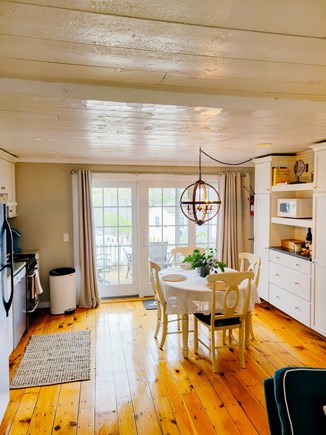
(200, 202)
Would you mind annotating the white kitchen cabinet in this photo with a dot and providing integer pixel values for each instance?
(318, 312)
(7, 182)
(290, 285)
(290, 280)
(318, 315)
(320, 167)
(5, 176)
(318, 309)
(291, 304)
(263, 234)
(290, 262)
(261, 240)
(295, 285)
(263, 175)
(285, 280)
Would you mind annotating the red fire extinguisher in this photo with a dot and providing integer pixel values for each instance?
(251, 199)
(252, 205)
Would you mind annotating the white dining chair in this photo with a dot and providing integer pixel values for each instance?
(232, 316)
(162, 317)
(250, 262)
(180, 252)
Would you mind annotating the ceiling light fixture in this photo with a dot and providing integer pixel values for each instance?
(200, 209)
(205, 200)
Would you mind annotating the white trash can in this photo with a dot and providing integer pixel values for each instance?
(63, 290)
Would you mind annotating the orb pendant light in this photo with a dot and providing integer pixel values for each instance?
(200, 202)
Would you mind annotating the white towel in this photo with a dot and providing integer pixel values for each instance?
(37, 284)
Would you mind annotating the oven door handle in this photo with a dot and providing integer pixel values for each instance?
(31, 276)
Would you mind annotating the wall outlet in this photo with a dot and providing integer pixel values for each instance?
(66, 237)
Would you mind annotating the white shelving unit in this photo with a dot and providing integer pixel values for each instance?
(290, 282)
(302, 223)
(318, 305)
(275, 286)
(301, 187)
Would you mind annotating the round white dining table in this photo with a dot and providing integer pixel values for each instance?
(192, 295)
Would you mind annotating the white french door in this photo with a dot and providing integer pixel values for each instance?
(136, 218)
(164, 226)
(115, 221)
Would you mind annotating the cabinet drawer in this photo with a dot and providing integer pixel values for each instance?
(290, 280)
(295, 263)
(296, 307)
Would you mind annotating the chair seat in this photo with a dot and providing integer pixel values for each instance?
(206, 318)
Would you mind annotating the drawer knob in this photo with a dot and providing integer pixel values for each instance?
(297, 308)
(277, 297)
(277, 258)
(296, 283)
(277, 274)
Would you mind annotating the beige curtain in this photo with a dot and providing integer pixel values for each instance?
(230, 218)
(89, 294)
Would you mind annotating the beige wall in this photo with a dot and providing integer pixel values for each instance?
(44, 208)
(44, 199)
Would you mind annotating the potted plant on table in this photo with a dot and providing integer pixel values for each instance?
(204, 261)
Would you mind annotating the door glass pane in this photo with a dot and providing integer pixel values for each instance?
(155, 196)
(155, 234)
(168, 227)
(169, 234)
(97, 197)
(98, 217)
(110, 196)
(110, 216)
(125, 196)
(169, 214)
(169, 196)
(155, 216)
(124, 216)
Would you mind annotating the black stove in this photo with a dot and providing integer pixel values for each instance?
(29, 259)
(31, 266)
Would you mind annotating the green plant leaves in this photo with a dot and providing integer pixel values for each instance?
(207, 259)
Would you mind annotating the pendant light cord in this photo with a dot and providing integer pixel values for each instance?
(218, 161)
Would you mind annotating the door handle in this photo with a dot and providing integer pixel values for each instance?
(10, 265)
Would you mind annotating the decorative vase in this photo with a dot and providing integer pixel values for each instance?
(204, 271)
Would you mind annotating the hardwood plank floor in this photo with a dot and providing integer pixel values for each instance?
(137, 389)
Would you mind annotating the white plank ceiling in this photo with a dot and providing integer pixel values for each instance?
(149, 82)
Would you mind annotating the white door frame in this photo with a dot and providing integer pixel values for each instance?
(119, 180)
(140, 232)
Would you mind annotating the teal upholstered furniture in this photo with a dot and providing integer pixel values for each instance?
(295, 399)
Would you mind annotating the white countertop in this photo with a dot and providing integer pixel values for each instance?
(18, 266)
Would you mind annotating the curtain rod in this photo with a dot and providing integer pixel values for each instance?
(242, 174)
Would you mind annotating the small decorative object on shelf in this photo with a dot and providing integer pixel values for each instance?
(281, 175)
(299, 169)
(308, 238)
(205, 262)
(293, 244)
